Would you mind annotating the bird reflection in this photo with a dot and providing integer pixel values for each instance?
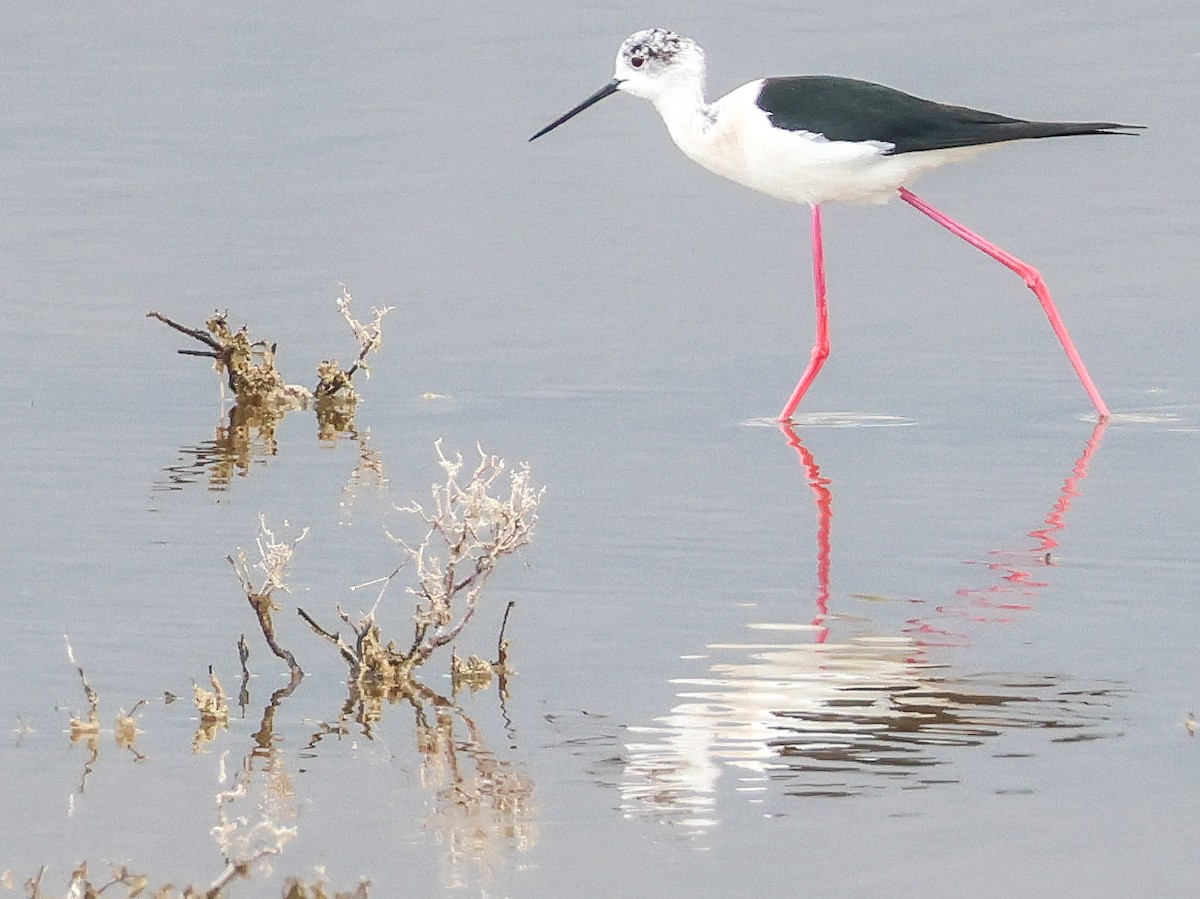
(791, 711)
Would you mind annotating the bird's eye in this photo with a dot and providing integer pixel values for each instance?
(637, 62)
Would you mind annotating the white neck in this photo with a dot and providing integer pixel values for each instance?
(685, 113)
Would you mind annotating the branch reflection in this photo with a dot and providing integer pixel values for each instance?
(479, 806)
(245, 438)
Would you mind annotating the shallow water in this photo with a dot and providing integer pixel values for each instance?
(942, 634)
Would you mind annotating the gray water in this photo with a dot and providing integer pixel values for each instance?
(947, 643)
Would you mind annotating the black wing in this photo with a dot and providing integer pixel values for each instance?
(849, 110)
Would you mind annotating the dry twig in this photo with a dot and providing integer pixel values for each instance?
(273, 561)
(468, 531)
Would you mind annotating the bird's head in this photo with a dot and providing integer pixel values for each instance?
(653, 61)
(651, 64)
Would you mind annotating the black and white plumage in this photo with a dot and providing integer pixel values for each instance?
(844, 109)
(808, 139)
(818, 139)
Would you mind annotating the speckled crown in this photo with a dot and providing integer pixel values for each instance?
(653, 43)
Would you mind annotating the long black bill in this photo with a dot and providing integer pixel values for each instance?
(610, 88)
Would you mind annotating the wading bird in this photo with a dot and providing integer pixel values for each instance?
(819, 139)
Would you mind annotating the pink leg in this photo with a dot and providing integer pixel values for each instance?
(820, 350)
(1033, 281)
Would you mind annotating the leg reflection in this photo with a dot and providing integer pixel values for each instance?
(824, 501)
(1017, 582)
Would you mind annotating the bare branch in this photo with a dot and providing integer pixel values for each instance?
(274, 558)
(336, 639)
(195, 333)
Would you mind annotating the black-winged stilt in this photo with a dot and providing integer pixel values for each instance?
(818, 139)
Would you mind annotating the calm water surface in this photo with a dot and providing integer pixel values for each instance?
(942, 637)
